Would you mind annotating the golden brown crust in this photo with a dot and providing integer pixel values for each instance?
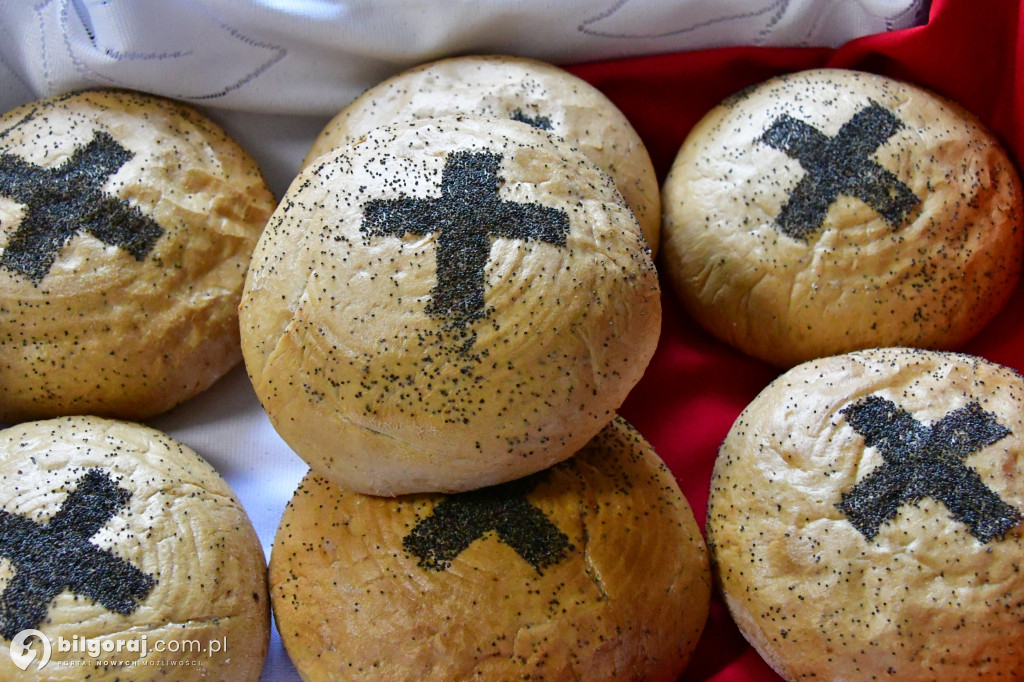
(756, 260)
(395, 355)
(512, 88)
(836, 559)
(178, 532)
(135, 310)
(619, 589)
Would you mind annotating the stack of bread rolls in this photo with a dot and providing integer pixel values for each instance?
(441, 319)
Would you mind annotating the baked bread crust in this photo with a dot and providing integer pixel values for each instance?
(512, 88)
(126, 227)
(830, 210)
(622, 594)
(449, 304)
(835, 556)
(174, 534)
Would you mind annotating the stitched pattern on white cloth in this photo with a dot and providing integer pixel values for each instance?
(314, 56)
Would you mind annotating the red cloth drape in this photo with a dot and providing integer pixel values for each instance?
(970, 52)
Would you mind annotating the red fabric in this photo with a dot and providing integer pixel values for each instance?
(968, 51)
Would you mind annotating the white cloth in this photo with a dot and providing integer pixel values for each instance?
(313, 56)
(273, 72)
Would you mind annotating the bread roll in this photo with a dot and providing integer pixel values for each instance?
(593, 570)
(864, 520)
(449, 304)
(129, 553)
(126, 226)
(830, 210)
(512, 88)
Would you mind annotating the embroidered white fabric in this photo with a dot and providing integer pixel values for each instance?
(313, 56)
(274, 71)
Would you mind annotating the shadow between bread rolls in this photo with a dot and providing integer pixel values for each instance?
(447, 304)
(594, 569)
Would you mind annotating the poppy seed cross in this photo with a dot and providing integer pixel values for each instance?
(925, 461)
(839, 165)
(63, 201)
(466, 216)
(459, 520)
(49, 558)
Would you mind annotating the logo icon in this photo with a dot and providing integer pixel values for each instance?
(22, 652)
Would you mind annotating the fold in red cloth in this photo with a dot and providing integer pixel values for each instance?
(696, 386)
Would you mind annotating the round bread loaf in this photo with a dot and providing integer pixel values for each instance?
(864, 520)
(126, 227)
(449, 304)
(592, 570)
(512, 88)
(129, 554)
(829, 210)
